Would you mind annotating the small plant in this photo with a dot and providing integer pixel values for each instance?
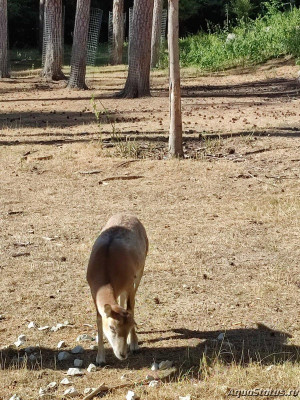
(124, 146)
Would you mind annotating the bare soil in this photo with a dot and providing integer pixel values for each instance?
(223, 227)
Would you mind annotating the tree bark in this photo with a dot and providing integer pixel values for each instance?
(79, 48)
(54, 51)
(118, 32)
(156, 32)
(41, 24)
(138, 79)
(175, 137)
(4, 70)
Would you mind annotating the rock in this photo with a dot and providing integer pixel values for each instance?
(21, 340)
(188, 397)
(32, 357)
(42, 391)
(31, 325)
(131, 395)
(1, 317)
(43, 328)
(30, 349)
(153, 383)
(150, 378)
(88, 390)
(84, 338)
(61, 344)
(221, 336)
(154, 367)
(165, 364)
(78, 362)
(77, 350)
(65, 381)
(74, 372)
(92, 368)
(52, 386)
(93, 347)
(71, 392)
(63, 355)
(15, 397)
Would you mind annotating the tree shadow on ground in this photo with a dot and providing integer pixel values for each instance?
(267, 88)
(186, 348)
(161, 138)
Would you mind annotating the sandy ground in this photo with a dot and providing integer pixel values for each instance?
(223, 227)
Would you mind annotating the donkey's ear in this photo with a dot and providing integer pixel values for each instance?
(107, 310)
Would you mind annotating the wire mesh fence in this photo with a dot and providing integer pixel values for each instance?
(48, 38)
(94, 34)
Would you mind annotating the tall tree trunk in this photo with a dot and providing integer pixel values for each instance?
(156, 32)
(79, 48)
(54, 51)
(175, 138)
(138, 79)
(4, 72)
(118, 32)
(41, 24)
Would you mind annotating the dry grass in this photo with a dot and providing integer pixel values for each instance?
(224, 247)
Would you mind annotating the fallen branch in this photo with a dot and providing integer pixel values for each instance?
(103, 388)
(122, 178)
(126, 163)
(96, 171)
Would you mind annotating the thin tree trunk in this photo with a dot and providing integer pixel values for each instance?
(4, 71)
(175, 138)
(156, 32)
(79, 48)
(138, 79)
(41, 24)
(118, 32)
(53, 60)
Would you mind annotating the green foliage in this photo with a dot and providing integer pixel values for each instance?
(273, 35)
(241, 8)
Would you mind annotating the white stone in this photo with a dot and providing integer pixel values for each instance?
(63, 355)
(1, 317)
(71, 392)
(31, 325)
(52, 386)
(74, 372)
(42, 391)
(93, 347)
(154, 367)
(131, 395)
(92, 368)
(188, 397)
(165, 364)
(84, 338)
(77, 350)
(153, 383)
(221, 336)
(65, 381)
(21, 340)
(88, 390)
(43, 328)
(78, 362)
(15, 397)
(61, 344)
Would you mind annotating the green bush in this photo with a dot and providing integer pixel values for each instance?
(251, 42)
